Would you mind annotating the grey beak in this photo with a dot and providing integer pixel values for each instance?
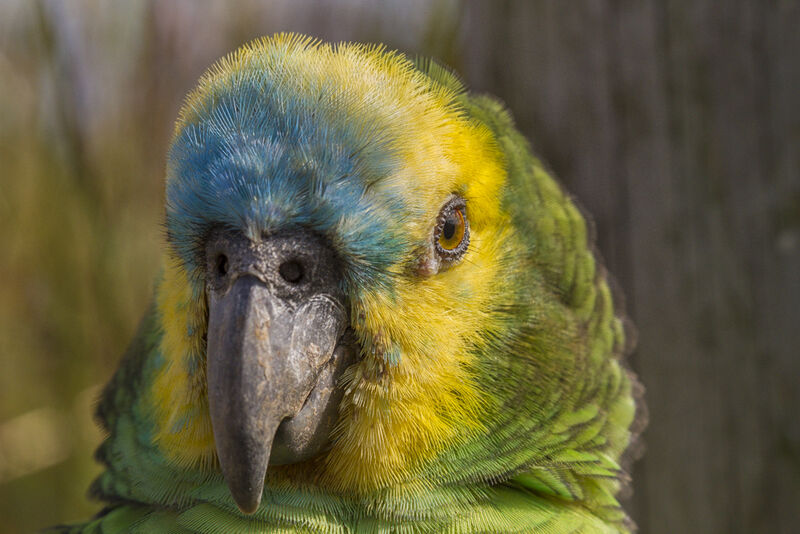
(274, 356)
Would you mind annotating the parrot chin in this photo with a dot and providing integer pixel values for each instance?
(277, 345)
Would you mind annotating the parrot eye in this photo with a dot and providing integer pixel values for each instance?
(451, 234)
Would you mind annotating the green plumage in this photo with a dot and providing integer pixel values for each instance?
(557, 418)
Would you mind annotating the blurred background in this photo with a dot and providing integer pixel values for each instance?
(675, 123)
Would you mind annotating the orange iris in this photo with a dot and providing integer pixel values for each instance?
(453, 229)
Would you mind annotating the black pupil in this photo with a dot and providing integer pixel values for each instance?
(449, 228)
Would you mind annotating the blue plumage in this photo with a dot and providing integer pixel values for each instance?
(263, 160)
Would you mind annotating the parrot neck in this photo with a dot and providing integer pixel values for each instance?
(137, 471)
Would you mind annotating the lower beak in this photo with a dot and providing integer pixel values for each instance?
(264, 359)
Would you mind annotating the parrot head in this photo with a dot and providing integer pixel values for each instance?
(371, 286)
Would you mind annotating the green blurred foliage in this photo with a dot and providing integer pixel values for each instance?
(88, 95)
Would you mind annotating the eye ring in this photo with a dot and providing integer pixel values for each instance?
(451, 234)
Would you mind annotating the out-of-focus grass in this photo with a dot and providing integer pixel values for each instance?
(88, 94)
(79, 209)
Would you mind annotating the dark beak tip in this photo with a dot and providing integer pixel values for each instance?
(248, 504)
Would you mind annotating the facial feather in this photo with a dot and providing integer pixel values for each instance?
(357, 144)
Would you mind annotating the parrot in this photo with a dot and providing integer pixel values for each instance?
(377, 312)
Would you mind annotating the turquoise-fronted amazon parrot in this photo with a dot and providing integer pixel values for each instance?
(377, 312)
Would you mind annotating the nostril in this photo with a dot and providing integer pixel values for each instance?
(222, 265)
(291, 271)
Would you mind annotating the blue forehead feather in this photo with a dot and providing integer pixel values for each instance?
(259, 159)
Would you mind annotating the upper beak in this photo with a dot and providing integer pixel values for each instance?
(272, 341)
